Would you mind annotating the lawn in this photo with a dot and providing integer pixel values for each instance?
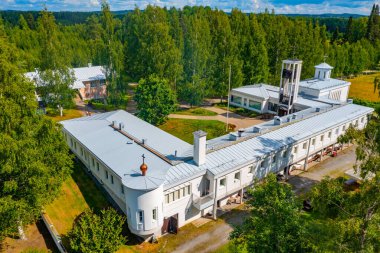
(184, 128)
(67, 114)
(198, 111)
(362, 87)
(238, 110)
(79, 192)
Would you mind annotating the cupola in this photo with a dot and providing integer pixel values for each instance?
(323, 71)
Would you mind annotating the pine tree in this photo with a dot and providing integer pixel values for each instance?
(349, 35)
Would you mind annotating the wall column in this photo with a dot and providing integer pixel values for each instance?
(215, 207)
(307, 155)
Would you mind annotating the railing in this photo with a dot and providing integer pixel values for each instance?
(203, 202)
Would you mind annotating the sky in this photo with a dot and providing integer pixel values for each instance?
(280, 6)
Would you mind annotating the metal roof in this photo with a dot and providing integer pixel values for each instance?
(81, 75)
(238, 153)
(258, 90)
(323, 66)
(318, 84)
(266, 91)
(122, 154)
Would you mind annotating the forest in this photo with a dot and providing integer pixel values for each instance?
(194, 47)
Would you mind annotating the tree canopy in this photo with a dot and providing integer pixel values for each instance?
(155, 100)
(34, 158)
(97, 233)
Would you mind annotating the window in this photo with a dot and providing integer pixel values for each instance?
(93, 162)
(322, 137)
(313, 142)
(251, 168)
(272, 107)
(93, 84)
(337, 131)
(112, 179)
(75, 145)
(154, 214)
(166, 198)
(344, 128)
(295, 149)
(97, 166)
(262, 164)
(274, 158)
(284, 153)
(141, 216)
(222, 182)
(188, 189)
(356, 123)
(176, 195)
(329, 134)
(304, 145)
(236, 100)
(171, 197)
(362, 120)
(122, 189)
(254, 105)
(81, 151)
(237, 176)
(71, 142)
(106, 174)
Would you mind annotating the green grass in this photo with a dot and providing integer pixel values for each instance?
(362, 88)
(78, 193)
(223, 249)
(184, 128)
(196, 111)
(238, 110)
(67, 114)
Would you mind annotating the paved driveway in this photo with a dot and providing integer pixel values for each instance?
(333, 167)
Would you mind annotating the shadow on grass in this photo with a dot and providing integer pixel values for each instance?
(96, 198)
(46, 236)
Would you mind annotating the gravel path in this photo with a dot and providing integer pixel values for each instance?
(333, 167)
(233, 118)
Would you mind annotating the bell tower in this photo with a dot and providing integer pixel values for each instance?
(290, 79)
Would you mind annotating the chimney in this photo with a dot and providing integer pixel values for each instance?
(199, 147)
(277, 120)
(294, 116)
(240, 132)
(144, 141)
(121, 126)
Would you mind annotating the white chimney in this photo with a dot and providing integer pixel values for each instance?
(199, 147)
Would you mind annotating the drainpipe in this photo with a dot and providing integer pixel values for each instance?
(215, 200)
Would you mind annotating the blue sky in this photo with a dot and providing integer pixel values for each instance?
(280, 6)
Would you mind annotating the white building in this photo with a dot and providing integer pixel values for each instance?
(320, 91)
(162, 183)
(90, 81)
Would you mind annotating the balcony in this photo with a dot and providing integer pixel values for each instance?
(203, 202)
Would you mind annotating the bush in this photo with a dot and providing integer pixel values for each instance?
(98, 233)
(363, 102)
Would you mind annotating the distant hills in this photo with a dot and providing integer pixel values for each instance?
(68, 17)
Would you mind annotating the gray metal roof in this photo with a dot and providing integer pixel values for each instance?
(266, 91)
(258, 145)
(323, 65)
(123, 154)
(317, 84)
(90, 73)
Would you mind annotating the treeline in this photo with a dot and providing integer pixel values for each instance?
(196, 47)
